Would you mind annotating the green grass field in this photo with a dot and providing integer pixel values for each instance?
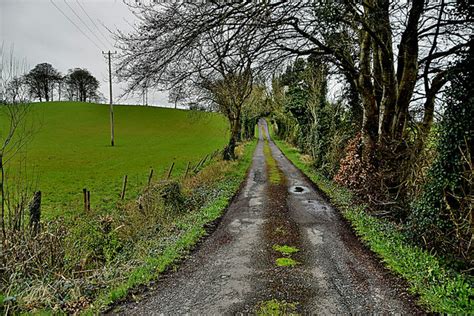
(70, 150)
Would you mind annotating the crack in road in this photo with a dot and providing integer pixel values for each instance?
(234, 270)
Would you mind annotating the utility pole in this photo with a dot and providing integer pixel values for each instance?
(145, 94)
(112, 137)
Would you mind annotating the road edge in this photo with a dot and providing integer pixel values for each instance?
(431, 286)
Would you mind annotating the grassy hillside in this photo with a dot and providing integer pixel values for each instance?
(70, 149)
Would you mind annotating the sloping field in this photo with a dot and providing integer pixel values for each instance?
(70, 150)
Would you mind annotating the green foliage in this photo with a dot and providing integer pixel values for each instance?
(441, 217)
(275, 307)
(305, 118)
(286, 262)
(170, 195)
(440, 289)
(92, 240)
(71, 150)
(191, 230)
(255, 106)
(107, 254)
(330, 136)
(297, 105)
(285, 249)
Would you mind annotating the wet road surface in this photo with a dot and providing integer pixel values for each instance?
(235, 271)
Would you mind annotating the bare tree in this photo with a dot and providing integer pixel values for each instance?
(394, 54)
(13, 111)
(177, 94)
(173, 47)
(81, 85)
(41, 81)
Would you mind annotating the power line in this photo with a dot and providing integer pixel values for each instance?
(85, 24)
(64, 14)
(93, 23)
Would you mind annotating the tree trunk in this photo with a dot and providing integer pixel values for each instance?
(437, 83)
(384, 52)
(377, 68)
(35, 213)
(235, 128)
(46, 92)
(366, 89)
(407, 70)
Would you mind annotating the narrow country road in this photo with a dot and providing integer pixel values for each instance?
(234, 270)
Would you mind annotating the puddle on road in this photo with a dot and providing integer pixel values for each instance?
(299, 189)
(315, 236)
(256, 201)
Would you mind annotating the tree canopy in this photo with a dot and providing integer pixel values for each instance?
(81, 85)
(41, 80)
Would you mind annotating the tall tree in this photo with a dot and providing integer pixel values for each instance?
(14, 109)
(41, 80)
(81, 85)
(15, 91)
(443, 215)
(173, 47)
(176, 95)
(395, 54)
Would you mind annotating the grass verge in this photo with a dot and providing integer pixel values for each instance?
(87, 266)
(440, 289)
(192, 230)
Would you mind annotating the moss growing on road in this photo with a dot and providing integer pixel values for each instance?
(276, 308)
(285, 249)
(286, 262)
(274, 174)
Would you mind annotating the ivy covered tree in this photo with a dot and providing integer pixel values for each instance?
(443, 215)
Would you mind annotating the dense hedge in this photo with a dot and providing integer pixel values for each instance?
(442, 216)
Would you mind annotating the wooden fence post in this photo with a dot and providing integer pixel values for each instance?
(35, 213)
(170, 171)
(187, 170)
(124, 187)
(197, 165)
(88, 201)
(201, 162)
(150, 176)
(84, 192)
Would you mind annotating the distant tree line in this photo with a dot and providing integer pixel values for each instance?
(45, 83)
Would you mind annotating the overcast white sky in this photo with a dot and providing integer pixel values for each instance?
(39, 32)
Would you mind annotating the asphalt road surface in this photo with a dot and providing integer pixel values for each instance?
(234, 270)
